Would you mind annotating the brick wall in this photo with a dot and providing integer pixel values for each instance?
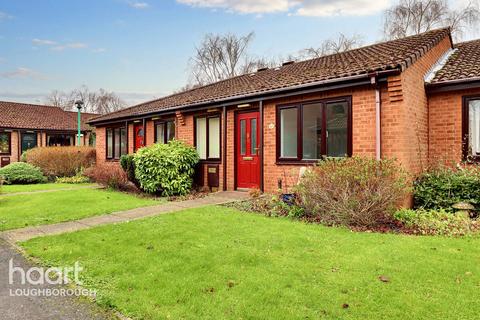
(445, 125)
(406, 137)
(100, 144)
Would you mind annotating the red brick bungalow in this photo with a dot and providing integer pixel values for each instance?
(25, 126)
(257, 130)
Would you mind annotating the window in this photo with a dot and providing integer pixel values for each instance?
(116, 142)
(29, 140)
(60, 140)
(164, 131)
(309, 131)
(207, 141)
(471, 128)
(5, 145)
(288, 133)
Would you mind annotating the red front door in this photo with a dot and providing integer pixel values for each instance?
(139, 137)
(247, 150)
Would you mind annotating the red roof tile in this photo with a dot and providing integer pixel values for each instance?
(396, 54)
(463, 64)
(31, 116)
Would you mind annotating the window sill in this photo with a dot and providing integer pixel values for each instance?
(218, 161)
(296, 162)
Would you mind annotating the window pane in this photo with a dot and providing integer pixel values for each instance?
(116, 140)
(474, 127)
(4, 142)
(109, 143)
(253, 134)
(170, 130)
(243, 137)
(337, 129)
(201, 132)
(288, 133)
(123, 141)
(160, 133)
(29, 141)
(312, 131)
(214, 138)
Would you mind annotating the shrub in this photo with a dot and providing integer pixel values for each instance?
(442, 187)
(128, 165)
(352, 191)
(436, 222)
(21, 173)
(61, 161)
(76, 179)
(110, 176)
(166, 169)
(269, 205)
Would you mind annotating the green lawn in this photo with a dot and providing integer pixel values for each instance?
(18, 211)
(39, 187)
(219, 263)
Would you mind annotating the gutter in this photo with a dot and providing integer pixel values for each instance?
(347, 82)
(452, 85)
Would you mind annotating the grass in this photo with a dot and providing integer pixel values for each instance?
(5, 189)
(18, 211)
(219, 263)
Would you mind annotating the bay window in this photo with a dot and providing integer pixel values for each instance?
(164, 131)
(310, 131)
(207, 137)
(5, 143)
(471, 128)
(116, 142)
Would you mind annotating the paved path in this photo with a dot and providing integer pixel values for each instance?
(50, 190)
(24, 234)
(38, 307)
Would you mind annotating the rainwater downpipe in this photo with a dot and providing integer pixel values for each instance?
(378, 119)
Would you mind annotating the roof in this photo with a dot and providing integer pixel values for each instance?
(390, 55)
(30, 116)
(462, 65)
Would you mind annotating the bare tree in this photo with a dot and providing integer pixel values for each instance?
(100, 102)
(330, 46)
(410, 17)
(224, 56)
(220, 57)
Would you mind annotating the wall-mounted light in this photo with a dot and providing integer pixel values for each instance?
(245, 105)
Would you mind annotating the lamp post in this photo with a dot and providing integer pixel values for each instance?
(79, 105)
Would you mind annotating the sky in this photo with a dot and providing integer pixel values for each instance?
(140, 48)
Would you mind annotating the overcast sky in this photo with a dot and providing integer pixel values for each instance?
(140, 49)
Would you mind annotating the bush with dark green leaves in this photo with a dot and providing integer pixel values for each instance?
(21, 173)
(128, 165)
(166, 169)
(443, 187)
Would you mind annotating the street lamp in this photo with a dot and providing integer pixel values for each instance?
(79, 105)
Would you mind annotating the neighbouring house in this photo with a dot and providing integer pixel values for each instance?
(414, 99)
(25, 126)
